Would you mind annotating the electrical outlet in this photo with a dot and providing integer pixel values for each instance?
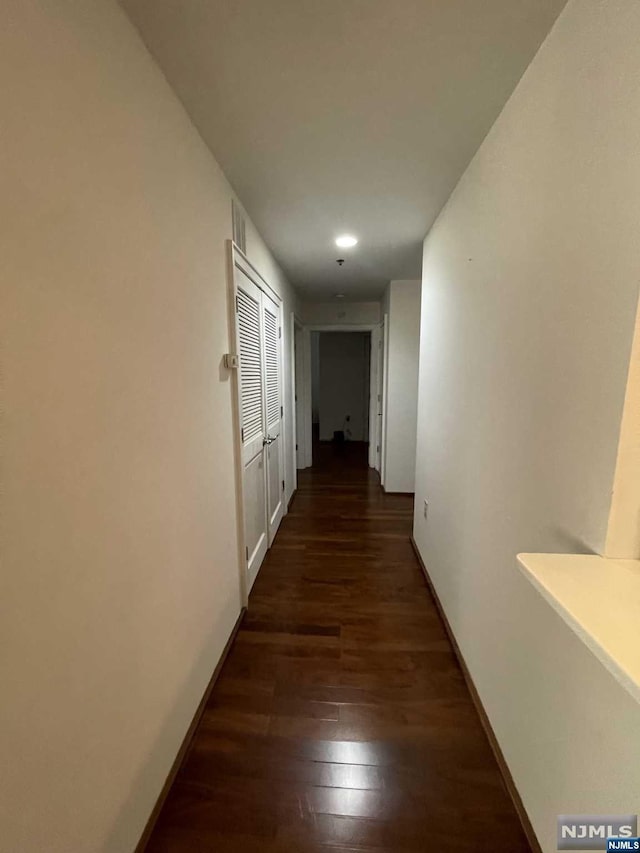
(426, 508)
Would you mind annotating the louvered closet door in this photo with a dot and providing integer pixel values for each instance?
(252, 421)
(273, 413)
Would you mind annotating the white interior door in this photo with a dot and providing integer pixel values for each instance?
(259, 342)
(272, 334)
(299, 397)
(252, 421)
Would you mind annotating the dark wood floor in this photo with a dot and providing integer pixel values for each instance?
(341, 721)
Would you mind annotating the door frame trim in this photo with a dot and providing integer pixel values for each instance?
(237, 258)
(385, 399)
(241, 260)
(283, 430)
(296, 324)
(375, 425)
(335, 327)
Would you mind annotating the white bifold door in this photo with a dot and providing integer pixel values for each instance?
(259, 332)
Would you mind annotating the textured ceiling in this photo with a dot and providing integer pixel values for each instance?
(344, 115)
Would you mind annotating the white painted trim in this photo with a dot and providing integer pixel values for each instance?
(295, 324)
(306, 402)
(242, 261)
(372, 328)
(373, 396)
(385, 400)
(236, 408)
(380, 391)
(369, 327)
(284, 415)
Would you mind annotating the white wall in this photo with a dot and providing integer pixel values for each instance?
(344, 384)
(402, 303)
(340, 313)
(530, 287)
(120, 581)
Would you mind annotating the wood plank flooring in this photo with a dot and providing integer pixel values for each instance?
(340, 721)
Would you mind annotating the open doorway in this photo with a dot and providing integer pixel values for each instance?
(341, 394)
(339, 391)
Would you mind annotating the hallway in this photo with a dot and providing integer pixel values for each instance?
(341, 719)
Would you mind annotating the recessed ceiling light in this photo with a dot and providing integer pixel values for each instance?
(346, 241)
(339, 295)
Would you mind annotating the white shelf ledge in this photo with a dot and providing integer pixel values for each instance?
(600, 601)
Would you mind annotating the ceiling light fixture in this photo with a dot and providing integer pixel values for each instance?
(339, 295)
(346, 241)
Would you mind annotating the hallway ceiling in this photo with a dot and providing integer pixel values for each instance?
(333, 116)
